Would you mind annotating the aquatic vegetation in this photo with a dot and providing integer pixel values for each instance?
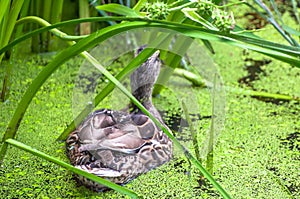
(257, 152)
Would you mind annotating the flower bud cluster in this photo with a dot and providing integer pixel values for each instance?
(220, 18)
(157, 10)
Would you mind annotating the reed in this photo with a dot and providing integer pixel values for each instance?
(9, 13)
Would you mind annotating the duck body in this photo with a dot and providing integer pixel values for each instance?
(119, 146)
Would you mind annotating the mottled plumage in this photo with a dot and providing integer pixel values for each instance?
(120, 146)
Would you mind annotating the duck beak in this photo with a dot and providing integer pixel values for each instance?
(156, 54)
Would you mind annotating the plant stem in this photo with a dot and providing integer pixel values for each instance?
(54, 31)
(211, 134)
(193, 132)
(46, 15)
(198, 81)
(8, 19)
(192, 77)
(272, 20)
(57, 8)
(9, 23)
(56, 14)
(85, 28)
(295, 10)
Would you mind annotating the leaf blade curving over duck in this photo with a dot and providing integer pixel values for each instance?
(120, 146)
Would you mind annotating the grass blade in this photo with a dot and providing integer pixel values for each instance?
(192, 130)
(212, 134)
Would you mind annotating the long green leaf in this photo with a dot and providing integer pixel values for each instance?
(4, 7)
(193, 15)
(118, 9)
(90, 176)
(284, 53)
(291, 30)
(8, 27)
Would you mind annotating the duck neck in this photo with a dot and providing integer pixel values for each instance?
(144, 95)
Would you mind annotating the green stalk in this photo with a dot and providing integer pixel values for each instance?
(3, 24)
(295, 10)
(6, 80)
(56, 14)
(45, 11)
(85, 28)
(4, 7)
(55, 31)
(276, 11)
(273, 21)
(4, 15)
(8, 24)
(46, 15)
(69, 167)
(265, 94)
(9, 66)
(194, 133)
(192, 77)
(211, 135)
(139, 5)
(36, 39)
(198, 81)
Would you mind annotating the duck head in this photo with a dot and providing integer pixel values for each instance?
(143, 78)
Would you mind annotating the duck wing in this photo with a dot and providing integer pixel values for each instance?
(116, 131)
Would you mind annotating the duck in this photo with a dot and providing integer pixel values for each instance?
(117, 145)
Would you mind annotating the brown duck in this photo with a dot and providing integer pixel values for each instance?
(119, 146)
